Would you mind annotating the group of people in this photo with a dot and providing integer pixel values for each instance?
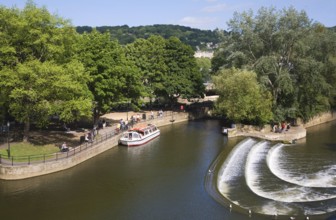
(122, 125)
(281, 127)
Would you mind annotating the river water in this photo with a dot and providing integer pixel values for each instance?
(168, 179)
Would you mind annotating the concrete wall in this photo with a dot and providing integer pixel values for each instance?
(16, 172)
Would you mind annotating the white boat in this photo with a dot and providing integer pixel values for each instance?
(139, 135)
(225, 130)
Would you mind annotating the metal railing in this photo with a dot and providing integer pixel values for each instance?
(44, 158)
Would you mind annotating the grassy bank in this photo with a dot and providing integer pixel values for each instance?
(28, 149)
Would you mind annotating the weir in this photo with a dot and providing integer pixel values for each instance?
(277, 161)
(260, 167)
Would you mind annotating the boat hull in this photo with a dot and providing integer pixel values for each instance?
(138, 142)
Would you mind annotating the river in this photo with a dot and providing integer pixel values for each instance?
(164, 179)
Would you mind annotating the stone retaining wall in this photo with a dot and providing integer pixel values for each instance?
(8, 172)
(320, 119)
(295, 133)
(16, 172)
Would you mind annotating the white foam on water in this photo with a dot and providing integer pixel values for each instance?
(282, 194)
(276, 162)
(275, 208)
(233, 167)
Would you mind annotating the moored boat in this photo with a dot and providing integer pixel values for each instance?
(225, 130)
(139, 135)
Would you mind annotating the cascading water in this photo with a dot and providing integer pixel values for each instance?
(232, 169)
(277, 161)
(260, 176)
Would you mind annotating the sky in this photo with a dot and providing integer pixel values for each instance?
(202, 14)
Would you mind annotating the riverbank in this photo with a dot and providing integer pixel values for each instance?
(13, 170)
(9, 170)
(288, 136)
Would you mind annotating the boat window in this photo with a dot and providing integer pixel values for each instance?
(146, 132)
(135, 135)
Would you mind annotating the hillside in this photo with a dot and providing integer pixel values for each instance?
(198, 39)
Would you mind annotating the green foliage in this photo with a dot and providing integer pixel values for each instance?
(204, 65)
(39, 90)
(191, 36)
(291, 56)
(147, 55)
(168, 67)
(33, 34)
(38, 76)
(183, 78)
(112, 77)
(241, 98)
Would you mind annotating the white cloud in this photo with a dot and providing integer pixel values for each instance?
(215, 8)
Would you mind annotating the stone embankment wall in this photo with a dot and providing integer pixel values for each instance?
(289, 136)
(320, 119)
(8, 172)
(15, 172)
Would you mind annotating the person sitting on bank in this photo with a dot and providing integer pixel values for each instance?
(87, 137)
(64, 147)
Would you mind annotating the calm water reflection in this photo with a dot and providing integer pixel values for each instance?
(161, 180)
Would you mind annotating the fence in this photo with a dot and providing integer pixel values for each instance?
(44, 158)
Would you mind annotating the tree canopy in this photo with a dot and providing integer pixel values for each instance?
(47, 69)
(168, 67)
(196, 38)
(38, 77)
(292, 56)
(241, 98)
(112, 77)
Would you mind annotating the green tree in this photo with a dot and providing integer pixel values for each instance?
(113, 78)
(204, 65)
(34, 34)
(183, 78)
(278, 46)
(319, 67)
(38, 76)
(241, 98)
(148, 56)
(168, 68)
(41, 89)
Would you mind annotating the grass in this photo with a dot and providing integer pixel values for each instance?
(27, 149)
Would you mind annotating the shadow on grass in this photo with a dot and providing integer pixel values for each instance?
(54, 137)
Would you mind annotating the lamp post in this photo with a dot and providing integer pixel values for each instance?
(127, 110)
(8, 150)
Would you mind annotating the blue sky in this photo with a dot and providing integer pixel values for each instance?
(202, 14)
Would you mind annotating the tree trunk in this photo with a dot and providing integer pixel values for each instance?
(26, 131)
